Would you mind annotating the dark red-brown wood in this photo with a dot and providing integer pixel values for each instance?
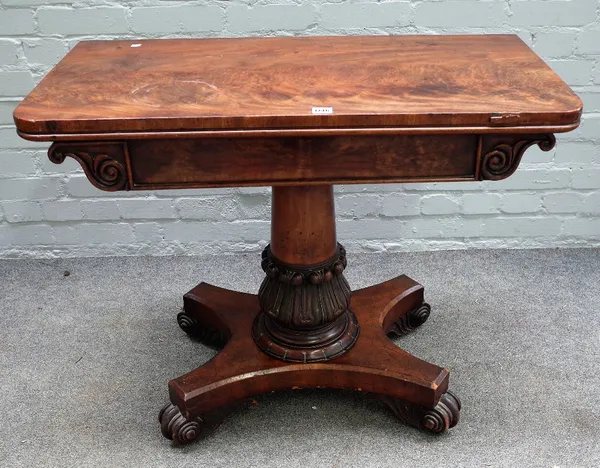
(303, 224)
(183, 85)
(413, 388)
(217, 162)
(187, 113)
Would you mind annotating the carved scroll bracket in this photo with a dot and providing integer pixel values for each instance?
(103, 163)
(503, 158)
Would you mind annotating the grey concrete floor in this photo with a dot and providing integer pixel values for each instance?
(85, 360)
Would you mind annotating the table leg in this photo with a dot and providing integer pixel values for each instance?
(305, 329)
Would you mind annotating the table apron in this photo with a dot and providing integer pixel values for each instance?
(156, 164)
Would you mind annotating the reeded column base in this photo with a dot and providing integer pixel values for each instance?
(317, 345)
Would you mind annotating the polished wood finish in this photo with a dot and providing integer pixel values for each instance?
(374, 365)
(181, 85)
(187, 113)
(198, 163)
(304, 309)
(303, 224)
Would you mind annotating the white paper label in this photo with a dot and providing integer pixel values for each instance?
(322, 110)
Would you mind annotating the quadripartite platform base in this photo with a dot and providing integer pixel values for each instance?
(416, 391)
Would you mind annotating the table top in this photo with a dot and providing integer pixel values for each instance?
(192, 85)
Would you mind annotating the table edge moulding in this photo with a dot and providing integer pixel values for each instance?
(197, 113)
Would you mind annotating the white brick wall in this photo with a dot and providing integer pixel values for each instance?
(48, 210)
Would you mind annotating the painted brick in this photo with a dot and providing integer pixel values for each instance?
(521, 203)
(555, 44)
(79, 186)
(446, 186)
(6, 111)
(401, 205)
(367, 188)
(439, 204)
(184, 193)
(257, 206)
(534, 155)
(389, 229)
(146, 208)
(588, 130)
(459, 14)
(15, 165)
(423, 228)
(534, 179)
(9, 52)
(418, 228)
(26, 234)
(207, 208)
(551, 12)
(573, 72)
(68, 21)
(243, 18)
(365, 15)
(480, 203)
(105, 233)
(577, 153)
(68, 166)
(589, 227)
(586, 178)
(358, 205)
(9, 139)
(22, 211)
(29, 189)
(176, 19)
(24, 3)
(562, 202)
(202, 231)
(63, 210)
(252, 190)
(148, 232)
(591, 203)
(591, 100)
(589, 42)
(44, 51)
(15, 83)
(562, 182)
(521, 227)
(15, 22)
(98, 210)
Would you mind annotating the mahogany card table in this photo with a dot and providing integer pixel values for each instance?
(300, 114)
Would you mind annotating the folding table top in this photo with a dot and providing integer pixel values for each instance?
(463, 83)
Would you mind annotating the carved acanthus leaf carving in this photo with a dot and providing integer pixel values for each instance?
(304, 297)
(102, 170)
(304, 310)
(503, 159)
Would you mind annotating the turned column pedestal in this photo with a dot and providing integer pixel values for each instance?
(304, 298)
(306, 329)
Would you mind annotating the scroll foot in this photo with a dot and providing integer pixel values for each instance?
(177, 428)
(411, 320)
(442, 417)
(203, 333)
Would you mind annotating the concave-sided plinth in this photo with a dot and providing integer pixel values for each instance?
(305, 329)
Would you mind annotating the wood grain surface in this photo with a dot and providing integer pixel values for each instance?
(204, 162)
(182, 85)
(241, 370)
